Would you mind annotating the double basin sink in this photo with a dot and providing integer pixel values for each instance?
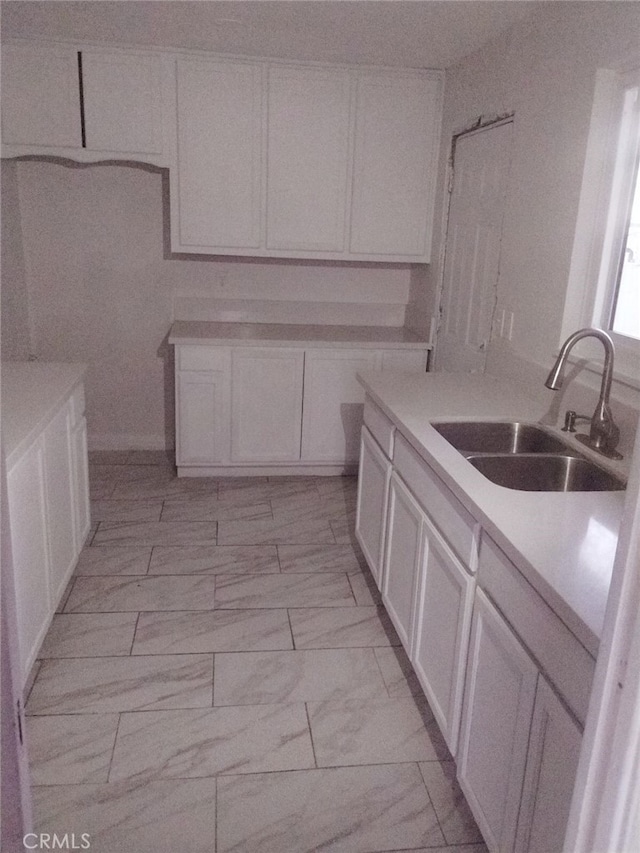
(526, 457)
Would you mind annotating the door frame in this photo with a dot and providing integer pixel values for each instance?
(478, 126)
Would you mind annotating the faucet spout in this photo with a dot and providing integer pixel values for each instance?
(603, 434)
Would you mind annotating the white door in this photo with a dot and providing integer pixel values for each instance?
(472, 251)
(266, 404)
(373, 486)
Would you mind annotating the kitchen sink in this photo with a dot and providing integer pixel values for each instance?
(489, 437)
(540, 473)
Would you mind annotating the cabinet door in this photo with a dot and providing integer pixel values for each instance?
(28, 520)
(397, 120)
(552, 762)
(266, 404)
(202, 417)
(218, 186)
(333, 404)
(403, 555)
(308, 149)
(40, 96)
(498, 706)
(81, 482)
(373, 487)
(60, 492)
(122, 102)
(443, 617)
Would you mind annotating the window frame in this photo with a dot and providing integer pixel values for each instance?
(611, 153)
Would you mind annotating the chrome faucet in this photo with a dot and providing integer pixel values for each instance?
(603, 434)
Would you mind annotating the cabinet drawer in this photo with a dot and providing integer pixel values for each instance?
(203, 358)
(567, 664)
(77, 405)
(379, 426)
(458, 526)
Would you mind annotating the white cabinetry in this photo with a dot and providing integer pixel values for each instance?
(307, 158)
(275, 406)
(397, 135)
(30, 546)
(266, 404)
(40, 97)
(216, 188)
(122, 99)
(48, 495)
(498, 707)
(333, 401)
(84, 104)
(443, 619)
(403, 553)
(373, 486)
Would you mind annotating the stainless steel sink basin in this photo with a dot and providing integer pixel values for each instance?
(533, 473)
(488, 437)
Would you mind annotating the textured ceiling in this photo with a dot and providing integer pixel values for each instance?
(420, 33)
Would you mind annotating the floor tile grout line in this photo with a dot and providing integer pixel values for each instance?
(113, 748)
(133, 638)
(313, 746)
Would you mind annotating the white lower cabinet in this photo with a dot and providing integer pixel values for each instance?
(49, 519)
(498, 707)
(552, 762)
(443, 620)
(373, 486)
(519, 745)
(403, 553)
(276, 407)
(266, 404)
(333, 402)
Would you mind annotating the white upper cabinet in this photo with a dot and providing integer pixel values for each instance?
(40, 97)
(122, 101)
(216, 188)
(307, 158)
(397, 135)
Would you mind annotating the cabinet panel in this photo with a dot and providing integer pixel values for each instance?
(122, 101)
(203, 417)
(60, 493)
(307, 156)
(219, 181)
(552, 762)
(333, 404)
(397, 120)
(411, 360)
(445, 602)
(373, 485)
(266, 404)
(28, 519)
(40, 96)
(403, 554)
(499, 698)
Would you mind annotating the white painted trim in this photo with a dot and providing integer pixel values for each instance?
(605, 812)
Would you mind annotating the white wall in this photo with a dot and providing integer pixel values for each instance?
(14, 333)
(102, 287)
(543, 70)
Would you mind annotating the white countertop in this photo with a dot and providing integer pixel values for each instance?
(290, 334)
(31, 393)
(564, 543)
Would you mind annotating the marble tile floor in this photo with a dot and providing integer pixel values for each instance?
(220, 677)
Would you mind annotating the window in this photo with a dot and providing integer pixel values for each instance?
(604, 281)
